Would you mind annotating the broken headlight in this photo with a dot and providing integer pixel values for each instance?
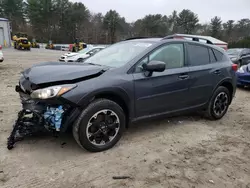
(52, 91)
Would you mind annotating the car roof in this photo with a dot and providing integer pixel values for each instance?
(162, 40)
(144, 39)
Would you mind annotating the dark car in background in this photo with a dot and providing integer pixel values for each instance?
(243, 75)
(132, 80)
(239, 56)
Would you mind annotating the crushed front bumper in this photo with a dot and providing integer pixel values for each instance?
(40, 116)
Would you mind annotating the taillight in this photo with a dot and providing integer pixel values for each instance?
(0, 47)
(235, 67)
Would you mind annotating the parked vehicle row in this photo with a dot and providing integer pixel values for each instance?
(240, 56)
(81, 55)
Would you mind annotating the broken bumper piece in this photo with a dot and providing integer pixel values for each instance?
(35, 117)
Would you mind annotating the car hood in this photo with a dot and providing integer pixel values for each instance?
(80, 56)
(53, 72)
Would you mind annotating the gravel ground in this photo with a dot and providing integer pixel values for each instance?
(177, 152)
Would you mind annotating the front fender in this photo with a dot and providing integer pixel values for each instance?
(110, 91)
(86, 99)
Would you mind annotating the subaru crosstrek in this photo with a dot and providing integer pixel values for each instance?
(129, 81)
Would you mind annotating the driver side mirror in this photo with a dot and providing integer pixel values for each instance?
(154, 66)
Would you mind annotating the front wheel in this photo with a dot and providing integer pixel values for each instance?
(100, 126)
(218, 104)
(79, 60)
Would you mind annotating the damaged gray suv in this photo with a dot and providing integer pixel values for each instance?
(129, 81)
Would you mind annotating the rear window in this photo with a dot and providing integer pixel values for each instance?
(198, 55)
(218, 55)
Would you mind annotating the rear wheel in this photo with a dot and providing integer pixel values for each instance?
(218, 104)
(100, 126)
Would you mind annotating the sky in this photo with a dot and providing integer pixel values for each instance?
(206, 9)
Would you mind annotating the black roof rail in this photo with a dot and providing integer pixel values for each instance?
(132, 38)
(194, 38)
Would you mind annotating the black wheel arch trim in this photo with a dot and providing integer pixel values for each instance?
(115, 91)
(225, 80)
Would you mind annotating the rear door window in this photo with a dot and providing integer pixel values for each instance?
(198, 55)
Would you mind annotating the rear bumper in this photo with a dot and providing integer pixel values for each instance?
(243, 82)
(243, 79)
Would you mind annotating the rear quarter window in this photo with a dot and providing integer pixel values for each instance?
(219, 56)
(212, 56)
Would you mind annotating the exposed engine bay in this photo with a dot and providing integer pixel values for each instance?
(35, 117)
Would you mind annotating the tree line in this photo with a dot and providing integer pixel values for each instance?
(62, 21)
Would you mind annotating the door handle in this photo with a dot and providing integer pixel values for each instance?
(183, 77)
(217, 72)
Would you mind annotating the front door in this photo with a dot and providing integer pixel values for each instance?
(162, 91)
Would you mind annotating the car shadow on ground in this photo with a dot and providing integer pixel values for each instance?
(246, 88)
(65, 143)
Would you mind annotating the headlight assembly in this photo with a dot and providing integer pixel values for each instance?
(52, 91)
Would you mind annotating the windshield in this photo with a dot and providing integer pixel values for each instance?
(234, 51)
(85, 50)
(118, 54)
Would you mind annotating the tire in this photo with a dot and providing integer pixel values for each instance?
(211, 112)
(80, 127)
(79, 60)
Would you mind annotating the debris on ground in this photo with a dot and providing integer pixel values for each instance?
(121, 177)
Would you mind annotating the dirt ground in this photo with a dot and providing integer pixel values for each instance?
(177, 152)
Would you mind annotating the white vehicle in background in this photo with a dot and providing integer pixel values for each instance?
(1, 55)
(81, 55)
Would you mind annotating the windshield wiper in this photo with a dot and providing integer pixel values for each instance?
(92, 64)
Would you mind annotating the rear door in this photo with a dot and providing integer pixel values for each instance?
(163, 91)
(204, 73)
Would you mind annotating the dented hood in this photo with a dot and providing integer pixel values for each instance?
(51, 72)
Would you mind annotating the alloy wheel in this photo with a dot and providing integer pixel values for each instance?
(220, 104)
(103, 127)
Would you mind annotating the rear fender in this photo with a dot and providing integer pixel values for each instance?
(222, 82)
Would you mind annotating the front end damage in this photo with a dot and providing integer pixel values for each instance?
(47, 104)
(38, 116)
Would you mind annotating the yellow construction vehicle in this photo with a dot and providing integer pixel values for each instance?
(77, 46)
(50, 45)
(34, 44)
(21, 41)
